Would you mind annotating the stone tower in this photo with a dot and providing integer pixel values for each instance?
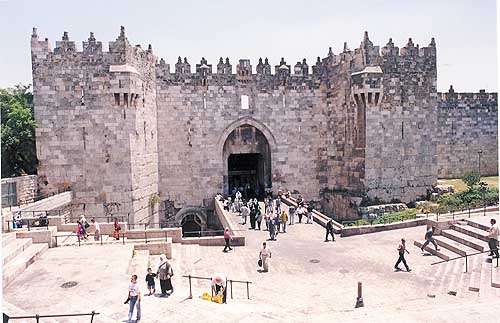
(96, 115)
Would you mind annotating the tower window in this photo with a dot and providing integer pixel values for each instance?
(244, 102)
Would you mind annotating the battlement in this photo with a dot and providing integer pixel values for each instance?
(477, 100)
(120, 51)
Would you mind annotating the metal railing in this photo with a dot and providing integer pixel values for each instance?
(207, 233)
(37, 317)
(121, 236)
(230, 281)
(27, 221)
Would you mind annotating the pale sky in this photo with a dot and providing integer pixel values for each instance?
(465, 31)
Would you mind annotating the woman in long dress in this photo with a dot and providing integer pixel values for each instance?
(164, 274)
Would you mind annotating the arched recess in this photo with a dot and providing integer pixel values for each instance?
(251, 122)
(191, 219)
(247, 146)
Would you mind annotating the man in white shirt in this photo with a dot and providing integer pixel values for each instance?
(245, 211)
(97, 233)
(493, 235)
(264, 254)
(134, 297)
(219, 284)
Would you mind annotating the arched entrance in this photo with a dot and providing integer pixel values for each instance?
(247, 162)
(192, 220)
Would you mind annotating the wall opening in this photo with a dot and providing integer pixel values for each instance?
(247, 159)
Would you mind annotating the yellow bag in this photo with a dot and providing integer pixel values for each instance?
(206, 297)
(217, 299)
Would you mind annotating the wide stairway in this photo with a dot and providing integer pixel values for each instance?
(18, 254)
(471, 275)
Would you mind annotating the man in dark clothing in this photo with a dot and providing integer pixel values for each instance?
(429, 238)
(401, 251)
(329, 230)
(253, 214)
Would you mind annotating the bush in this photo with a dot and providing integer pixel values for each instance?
(471, 179)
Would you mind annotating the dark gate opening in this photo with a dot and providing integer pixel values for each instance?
(191, 226)
(246, 174)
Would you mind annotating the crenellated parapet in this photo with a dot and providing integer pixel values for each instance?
(468, 100)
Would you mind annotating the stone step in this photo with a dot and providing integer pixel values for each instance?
(17, 266)
(8, 238)
(495, 275)
(13, 249)
(444, 254)
(453, 286)
(474, 267)
(464, 239)
(471, 231)
(477, 225)
(486, 291)
(454, 246)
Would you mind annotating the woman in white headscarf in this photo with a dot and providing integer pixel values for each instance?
(164, 274)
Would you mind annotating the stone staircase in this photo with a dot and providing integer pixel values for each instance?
(18, 254)
(465, 238)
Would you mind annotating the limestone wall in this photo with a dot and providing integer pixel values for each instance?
(26, 188)
(467, 124)
(96, 120)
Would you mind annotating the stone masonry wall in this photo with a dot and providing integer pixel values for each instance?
(468, 124)
(92, 109)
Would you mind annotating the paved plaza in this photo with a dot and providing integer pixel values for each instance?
(309, 280)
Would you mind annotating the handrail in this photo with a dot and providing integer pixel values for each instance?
(459, 257)
(38, 316)
(231, 281)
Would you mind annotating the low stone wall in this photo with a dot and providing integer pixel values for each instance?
(214, 241)
(364, 229)
(171, 233)
(105, 228)
(39, 235)
(157, 248)
(26, 188)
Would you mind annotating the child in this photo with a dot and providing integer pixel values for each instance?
(150, 278)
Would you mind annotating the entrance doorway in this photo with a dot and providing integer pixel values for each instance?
(247, 158)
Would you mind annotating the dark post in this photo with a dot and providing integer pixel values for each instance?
(248, 290)
(78, 239)
(190, 290)
(466, 263)
(100, 237)
(145, 237)
(92, 317)
(359, 300)
(56, 240)
(231, 283)
(28, 224)
(37, 316)
(123, 238)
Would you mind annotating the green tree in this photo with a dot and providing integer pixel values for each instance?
(471, 179)
(18, 131)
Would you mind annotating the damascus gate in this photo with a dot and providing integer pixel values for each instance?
(132, 134)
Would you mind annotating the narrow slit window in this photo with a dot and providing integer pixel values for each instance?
(117, 98)
(204, 100)
(244, 102)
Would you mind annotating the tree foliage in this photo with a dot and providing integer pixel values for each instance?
(18, 131)
(471, 179)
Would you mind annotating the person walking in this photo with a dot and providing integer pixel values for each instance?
(245, 211)
(150, 279)
(429, 238)
(97, 233)
(277, 202)
(291, 211)
(219, 284)
(284, 220)
(116, 233)
(310, 214)
(272, 227)
(277, 222)
(134, 297)
(264, 254)
(80, 231)
(493, 239)
(164, 274)
(300, 213)
(258, 219)
(253, 214)
(227, 239)
(329, 230)
(401, 251)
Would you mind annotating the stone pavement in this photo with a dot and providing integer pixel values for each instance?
(294, 290)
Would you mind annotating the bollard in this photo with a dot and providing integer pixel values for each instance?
(466, 263)
(92, 318)
(190, 291)
(359, 300)
(231, 283)
(248, 290)
(100, 237)
(56, 240)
